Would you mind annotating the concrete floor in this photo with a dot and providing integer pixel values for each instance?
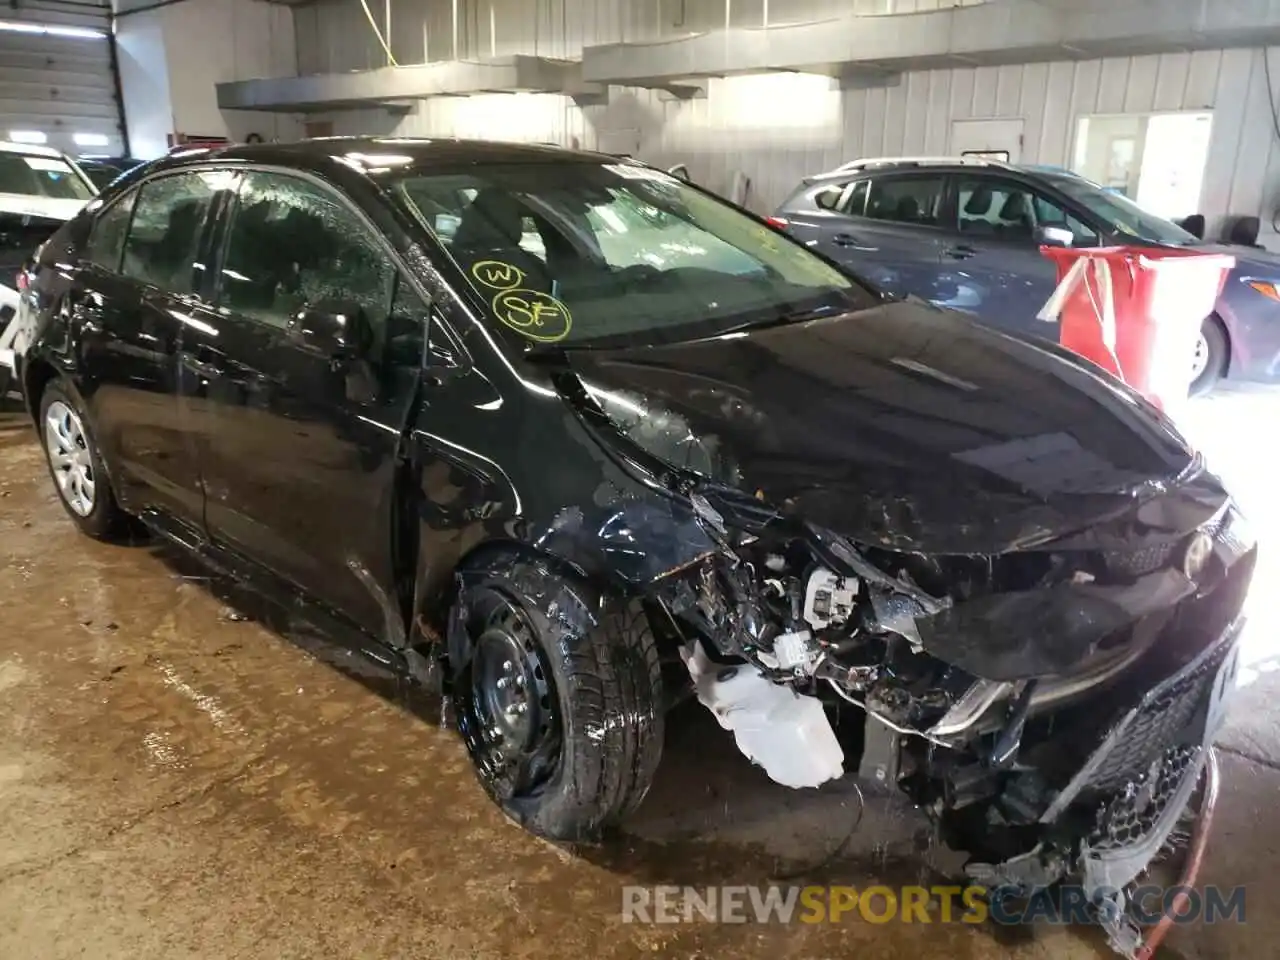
(179, 782)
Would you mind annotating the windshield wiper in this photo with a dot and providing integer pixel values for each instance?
(786, 317)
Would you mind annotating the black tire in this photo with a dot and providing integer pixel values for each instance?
(105, 521)
(1216, 339)
(600, 684)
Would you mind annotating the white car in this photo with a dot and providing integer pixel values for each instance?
(40, 189)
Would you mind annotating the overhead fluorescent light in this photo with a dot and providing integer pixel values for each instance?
(50, 30)
(28, 136)
(91, 139)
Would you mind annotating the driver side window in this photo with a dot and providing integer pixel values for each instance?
(292, 244)
(1049, 214)
(988, 208)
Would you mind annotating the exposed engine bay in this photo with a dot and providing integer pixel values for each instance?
(1027, 774)
(809, 630)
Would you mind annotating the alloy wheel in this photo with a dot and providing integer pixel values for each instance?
(67, 445)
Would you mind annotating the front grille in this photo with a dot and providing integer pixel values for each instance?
(1134, 812)
(1171, 714)
(1157, 556)
(1138, 563)
(1147, 560)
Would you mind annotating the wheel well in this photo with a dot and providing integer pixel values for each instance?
(438, 600)
(35, 377)
(1226, 338)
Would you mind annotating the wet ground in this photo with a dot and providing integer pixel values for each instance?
(178, 781)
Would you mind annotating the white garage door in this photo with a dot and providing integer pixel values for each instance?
(56, 76)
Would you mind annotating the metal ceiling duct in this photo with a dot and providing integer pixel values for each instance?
(391, 86)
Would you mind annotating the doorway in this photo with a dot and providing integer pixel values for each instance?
(996, 139)
(1155, 159)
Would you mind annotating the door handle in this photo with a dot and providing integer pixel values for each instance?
(850, 242)
(82, 310)
(961, 252)
(200, 366)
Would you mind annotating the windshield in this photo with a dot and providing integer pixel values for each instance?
(30, 175)
(618, 254)
(1122, 214)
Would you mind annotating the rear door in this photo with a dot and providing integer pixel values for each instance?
(886, 228)
(299, 450)
(992, 261)
(138, 290)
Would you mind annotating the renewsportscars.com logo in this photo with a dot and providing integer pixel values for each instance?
(775, 904)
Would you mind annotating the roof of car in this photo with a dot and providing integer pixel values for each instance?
(30, 149)
(946, 164)
(423, 152)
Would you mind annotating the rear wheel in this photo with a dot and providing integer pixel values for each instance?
(1209, 362)
(76, 465)
(560, 708)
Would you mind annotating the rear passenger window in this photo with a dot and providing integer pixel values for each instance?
(854, 201)
(828, 198)
(106, 240)
(905, 200)
(164, 236)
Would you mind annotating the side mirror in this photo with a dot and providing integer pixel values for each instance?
(1054, 237)
(335, 329)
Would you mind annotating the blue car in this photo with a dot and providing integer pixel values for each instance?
(966, 234)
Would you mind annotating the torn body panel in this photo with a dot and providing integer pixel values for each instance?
(972, 636)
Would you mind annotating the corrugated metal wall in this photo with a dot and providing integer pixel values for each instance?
(59, 85)
(776, 128)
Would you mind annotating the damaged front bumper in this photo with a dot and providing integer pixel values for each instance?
(1167, 739)
(1046, 762)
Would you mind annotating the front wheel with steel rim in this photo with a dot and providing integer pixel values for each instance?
(558, 698)
(76, 466)
(1209, 361)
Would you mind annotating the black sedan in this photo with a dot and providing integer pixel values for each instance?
(580, 432)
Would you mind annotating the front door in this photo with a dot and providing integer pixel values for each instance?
(992, 262)
(300, 449)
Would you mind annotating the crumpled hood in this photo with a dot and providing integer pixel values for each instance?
(902, 426)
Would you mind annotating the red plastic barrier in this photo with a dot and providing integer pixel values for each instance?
(1136, 311)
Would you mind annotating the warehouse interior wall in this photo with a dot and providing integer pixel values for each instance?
(778, 128)
(173, 56)
(766, 130)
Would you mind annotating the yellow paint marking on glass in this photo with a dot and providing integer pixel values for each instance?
(533, 314)
(497, 275)
(767, 239)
